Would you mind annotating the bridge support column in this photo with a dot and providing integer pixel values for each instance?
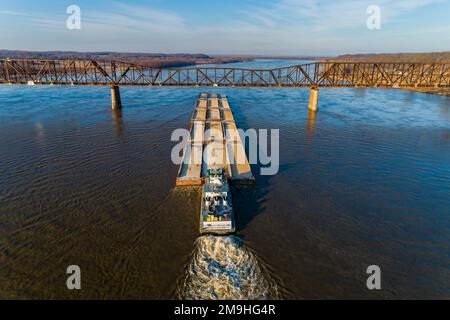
(314, 98)
(116, 102)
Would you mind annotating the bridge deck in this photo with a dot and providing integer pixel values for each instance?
(214, 143)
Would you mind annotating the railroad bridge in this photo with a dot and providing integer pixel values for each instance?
(404, 75)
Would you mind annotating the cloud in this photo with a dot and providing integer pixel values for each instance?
(117, 16)
(13, 13)
(311, 27)
(163, 18)
(135, 18)
(322, 15)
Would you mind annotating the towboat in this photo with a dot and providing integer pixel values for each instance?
(216, 213)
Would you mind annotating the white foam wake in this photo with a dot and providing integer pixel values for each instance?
(224, 268)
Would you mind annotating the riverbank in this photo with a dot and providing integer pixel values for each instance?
(436, 91)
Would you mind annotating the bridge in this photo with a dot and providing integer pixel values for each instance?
(314, 75)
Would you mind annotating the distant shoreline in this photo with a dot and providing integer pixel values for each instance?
(435, 91)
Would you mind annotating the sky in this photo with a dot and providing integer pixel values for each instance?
(267, 27)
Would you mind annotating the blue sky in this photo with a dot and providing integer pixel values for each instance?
(309, 27)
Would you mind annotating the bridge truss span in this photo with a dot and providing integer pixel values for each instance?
(315, 74)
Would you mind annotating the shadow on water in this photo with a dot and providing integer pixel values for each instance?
(250, 201)
(311, 124)
(117, 120)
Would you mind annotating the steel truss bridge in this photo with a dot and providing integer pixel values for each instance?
(316, 74)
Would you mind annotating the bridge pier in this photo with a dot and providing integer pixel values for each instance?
(314, 98)
(116, 102)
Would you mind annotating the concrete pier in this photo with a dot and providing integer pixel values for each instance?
(314, 99)
(116, 102)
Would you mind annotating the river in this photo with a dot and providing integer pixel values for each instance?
(364, 181)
